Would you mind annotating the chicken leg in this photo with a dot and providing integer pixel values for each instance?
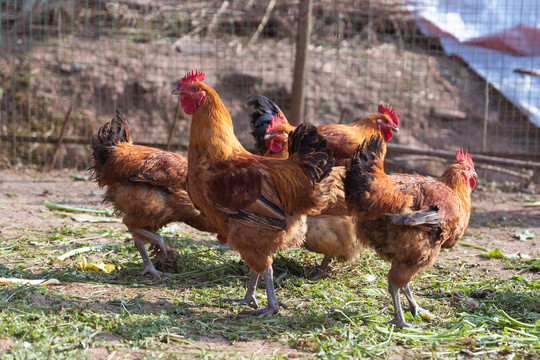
(249, 298)
(139, 237)
(273, 303)
(399, 318)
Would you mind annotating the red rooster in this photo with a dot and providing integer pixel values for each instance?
(259, 204)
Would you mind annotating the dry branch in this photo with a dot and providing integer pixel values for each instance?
(60, 138)
(215, 19)
(263, 22)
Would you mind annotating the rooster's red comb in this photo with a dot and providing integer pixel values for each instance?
(191, 77)
(390, 111)
(278, 119)
(464, 156)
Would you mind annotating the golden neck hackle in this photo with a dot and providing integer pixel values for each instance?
(212, 129)
(453, 178)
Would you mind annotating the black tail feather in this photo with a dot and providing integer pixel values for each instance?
(109, 134)
(265, 110)
(315, 158)
(358, 173)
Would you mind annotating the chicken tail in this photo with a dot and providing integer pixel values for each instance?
(308, 149)
(425, 220)
(367, 187)
(265, 111)
(109, 135)
(360, 171)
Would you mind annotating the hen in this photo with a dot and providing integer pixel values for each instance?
(332, 233)
(343, 139)
(259, 203)
(407, 219)
(147, 185)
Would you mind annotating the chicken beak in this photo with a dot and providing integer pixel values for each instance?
(176, 92)
(396, 130)
(269, 136)
(475, 175)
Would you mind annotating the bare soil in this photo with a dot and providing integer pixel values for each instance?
(497, 216)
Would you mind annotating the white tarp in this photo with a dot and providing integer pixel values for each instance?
(499, 39)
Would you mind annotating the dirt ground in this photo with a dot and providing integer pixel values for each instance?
(497, 216)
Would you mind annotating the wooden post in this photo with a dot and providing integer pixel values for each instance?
(303, 34)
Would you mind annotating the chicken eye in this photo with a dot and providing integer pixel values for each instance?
(280, 132)
(194, 89)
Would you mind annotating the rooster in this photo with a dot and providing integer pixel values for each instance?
(147, 185)
(343, 139)
(407, 219)
(259, 204)
(332, 233)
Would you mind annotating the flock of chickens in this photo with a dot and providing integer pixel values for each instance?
(323, 188)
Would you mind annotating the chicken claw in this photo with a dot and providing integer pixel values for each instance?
(150, 269)
(266, 311)
(148, 266)
(415, 309)
(399, 323)
(273, 302)
(249, 298)
(321, 270)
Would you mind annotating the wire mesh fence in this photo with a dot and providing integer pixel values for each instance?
(65, 66)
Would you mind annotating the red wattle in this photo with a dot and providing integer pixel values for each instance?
(472, 183)
(387, 136)
(275, 146)
(188, 106)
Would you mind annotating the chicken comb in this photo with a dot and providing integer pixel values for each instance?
(278, 119)
(464, 156)
(390, 111)
(191, 77)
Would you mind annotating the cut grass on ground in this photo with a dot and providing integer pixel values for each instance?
(340, 316)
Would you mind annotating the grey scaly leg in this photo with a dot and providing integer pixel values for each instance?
(273, 302)
(399, 318)
(249, 298)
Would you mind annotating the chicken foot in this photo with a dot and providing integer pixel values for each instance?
(399, 318)
(139, 235)
(273, 303)
(321, 270)
(249, 298)
(415, 309)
